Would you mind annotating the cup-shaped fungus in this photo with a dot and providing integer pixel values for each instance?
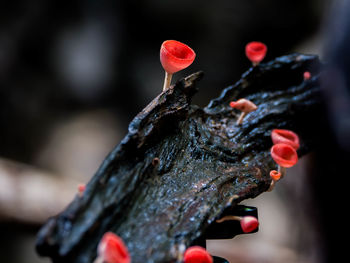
(112, 249)
(197, 254)
(175, 56)
(248, 223)
(307, 75)
(285, 136)
(285, 156)
(275, 176)
(245, 106)
(256, 52)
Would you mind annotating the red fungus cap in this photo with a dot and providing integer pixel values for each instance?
(307, 75)
(175, 56)
(197, 254)
(275, 175)
(255, 51)
(112, 249)
(285, 136)
(243, 105)
(284, 155)
(249, 224)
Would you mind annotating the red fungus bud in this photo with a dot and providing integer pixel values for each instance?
(256, 52)
(112, 249)
(81, 189)
(245, 106)
(174, 57)
(249, 223)
(197, 254)
(275, 175)
(284, 155)
(307, 75)
(285, 136)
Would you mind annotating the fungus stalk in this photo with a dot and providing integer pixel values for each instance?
(167, 80)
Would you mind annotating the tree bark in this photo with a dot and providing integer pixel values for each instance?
(180, 167)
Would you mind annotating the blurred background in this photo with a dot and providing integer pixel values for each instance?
(73, 74)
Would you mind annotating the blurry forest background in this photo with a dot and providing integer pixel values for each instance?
(73, 74)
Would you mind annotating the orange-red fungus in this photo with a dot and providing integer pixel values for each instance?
(284, 155)
(285, 136)
(176, 56)
(249, 223)
(275, 175)
(197, 254)
(112, 249)
(243, 105)
(255, 51)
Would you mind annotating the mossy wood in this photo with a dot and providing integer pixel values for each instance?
(207, 164)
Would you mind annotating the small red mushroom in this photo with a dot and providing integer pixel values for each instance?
(175, 56)
(256, 52)
(307, 75)
(275, 176)
(197, 254)
(248, 223)
(245, 106)
(112, 249)
(81, 189)
(285, 136)
(285, 156)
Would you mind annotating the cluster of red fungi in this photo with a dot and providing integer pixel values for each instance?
(175, 56)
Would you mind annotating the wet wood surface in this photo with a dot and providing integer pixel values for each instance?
(181, 167)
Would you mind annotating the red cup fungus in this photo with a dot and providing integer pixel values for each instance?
(175, 56)
(112, 249)
(245, 106)
(256, 52)
(307, 75)
(285, 156)
(248, 223)
(275, 176)
(285, 136)
(197, 254)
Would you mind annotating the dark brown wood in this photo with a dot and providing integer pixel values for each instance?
(180, 166)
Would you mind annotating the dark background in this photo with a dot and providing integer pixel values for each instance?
(73, 74)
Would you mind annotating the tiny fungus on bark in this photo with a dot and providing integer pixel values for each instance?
(307, 75)
(174, 56)
(112, 249)
(197, 254)
(81, 189)
(256, 52)
(285, 156)
(245, 106)
(248, 223)
(285, 136)
(275, 176)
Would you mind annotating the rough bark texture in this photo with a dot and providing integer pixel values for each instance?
(207, 164)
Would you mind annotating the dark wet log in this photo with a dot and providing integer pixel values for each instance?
(180, 167)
